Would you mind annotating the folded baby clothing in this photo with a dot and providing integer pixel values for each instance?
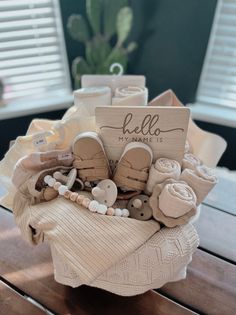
(160, 171)
(87, 99)
(173, 203)
(201, 180)
(130, 96)
(58, 137)
(176, 199)
(35, 162)
(113, 81)
(190, 161)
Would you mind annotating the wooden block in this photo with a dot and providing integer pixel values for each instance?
(217, 232)
(164, 129)
(30, 269)
(210, 286)
(13, 303)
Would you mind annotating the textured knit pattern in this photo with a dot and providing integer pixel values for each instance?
(162, 170)
(200, 183)
(90, 243)
(163, 258)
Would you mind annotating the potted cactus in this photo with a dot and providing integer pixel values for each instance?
(104, 33)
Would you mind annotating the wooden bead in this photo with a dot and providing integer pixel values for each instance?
(56, 185)
(73, 196)
(86, 202)
(49, 193)
(80, 199)
(110, 211)
(67, 194)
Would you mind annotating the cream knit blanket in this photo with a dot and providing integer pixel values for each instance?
(124, 256)
(121, 255)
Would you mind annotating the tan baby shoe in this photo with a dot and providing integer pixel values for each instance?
(132, 169)
(90, 157)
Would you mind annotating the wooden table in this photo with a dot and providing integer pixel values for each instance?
(27, 286)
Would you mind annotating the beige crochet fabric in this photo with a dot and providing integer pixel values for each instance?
(121, 255)
(163, 258)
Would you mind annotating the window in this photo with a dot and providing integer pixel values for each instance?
(217, 85)
(33, 60)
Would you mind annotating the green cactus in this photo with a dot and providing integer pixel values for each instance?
(110, 21)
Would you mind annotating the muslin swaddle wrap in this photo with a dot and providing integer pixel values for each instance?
(87, 99)
(160, 171)
(177, 199)
(173, 203)
(130, 96)
(190, 161)
(201, 180)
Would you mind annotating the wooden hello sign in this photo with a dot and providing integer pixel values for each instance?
(164, 129)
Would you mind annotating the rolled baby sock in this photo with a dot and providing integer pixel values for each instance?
(130, 96)
(87, 99)
(160, 171)
(177, 199)
(190, 161)
(201, 180)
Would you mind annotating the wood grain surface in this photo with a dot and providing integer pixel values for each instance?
(11, 303)
(164, 129)
(210, 286)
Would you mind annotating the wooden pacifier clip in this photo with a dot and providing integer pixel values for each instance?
(92, 205)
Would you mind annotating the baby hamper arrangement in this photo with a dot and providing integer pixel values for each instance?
(114, 186)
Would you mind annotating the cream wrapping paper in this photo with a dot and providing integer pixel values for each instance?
(87, 99)
(190, 161)
(201, 180)
(208, 147)
(160, 171)
(130, 96)
(187, 148)
(177, 199)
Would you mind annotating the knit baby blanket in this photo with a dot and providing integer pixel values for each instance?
(121, 255)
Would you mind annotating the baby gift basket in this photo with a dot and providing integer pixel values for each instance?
(114, 186)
